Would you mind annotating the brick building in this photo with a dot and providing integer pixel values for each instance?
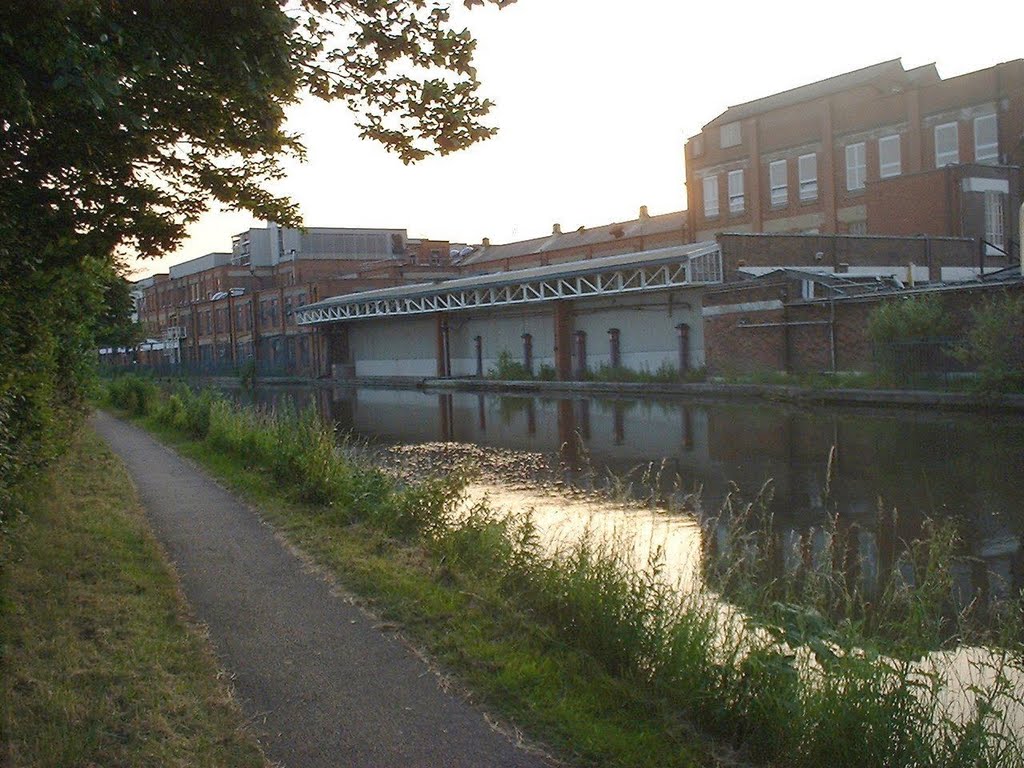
(830, 157)
(221, 310)
(643, 233)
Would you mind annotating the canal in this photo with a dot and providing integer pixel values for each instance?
(660, 470)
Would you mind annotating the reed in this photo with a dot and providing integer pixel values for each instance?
(769, 672)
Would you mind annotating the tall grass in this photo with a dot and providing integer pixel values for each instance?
(792, 693)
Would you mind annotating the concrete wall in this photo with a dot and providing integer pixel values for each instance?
(394, 347)
(406, 346)
(647, 329)
(501, 331)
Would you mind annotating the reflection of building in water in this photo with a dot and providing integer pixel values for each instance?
(912, 465)
(870, 561)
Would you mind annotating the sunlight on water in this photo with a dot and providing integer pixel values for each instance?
(647, 535)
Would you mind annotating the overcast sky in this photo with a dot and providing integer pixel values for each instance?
(595, 100)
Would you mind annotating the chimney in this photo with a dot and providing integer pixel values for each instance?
(556, 230)
(487, 242)
(643, 213)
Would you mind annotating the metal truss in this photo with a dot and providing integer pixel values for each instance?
(505, 290)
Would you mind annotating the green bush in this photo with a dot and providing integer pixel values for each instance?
(733, 675)
(507, 369)
(907, 319)
(995, 343)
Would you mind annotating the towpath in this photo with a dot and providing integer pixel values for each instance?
(321, 684)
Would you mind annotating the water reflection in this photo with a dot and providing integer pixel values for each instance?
(542, 452)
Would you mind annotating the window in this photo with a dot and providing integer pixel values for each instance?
(986, 139)
(857, 228)
(947, 145)
(729, 135)
(889, 157)
(856, 166)
(697, 146)
(995, 219)
(778, 179)
(735, 191)
(808, 167)
(710, 196)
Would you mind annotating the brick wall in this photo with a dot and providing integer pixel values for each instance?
(765, 250)
(740, 342)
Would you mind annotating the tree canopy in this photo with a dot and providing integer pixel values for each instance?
(122, 120)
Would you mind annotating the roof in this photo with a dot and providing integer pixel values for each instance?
(516, 276)
(892, 71)
(582, 237)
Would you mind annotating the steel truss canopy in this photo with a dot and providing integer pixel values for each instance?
(676, 267)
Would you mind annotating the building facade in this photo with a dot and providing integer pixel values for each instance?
(811, 160)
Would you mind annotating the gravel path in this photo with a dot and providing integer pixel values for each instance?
(321, 684)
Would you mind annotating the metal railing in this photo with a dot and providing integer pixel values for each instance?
(918, 361)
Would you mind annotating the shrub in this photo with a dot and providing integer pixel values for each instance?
(995, 343)
(907, 319)
(508, 369)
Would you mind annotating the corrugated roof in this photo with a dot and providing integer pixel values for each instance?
(606, 233)
(515, 276)
(892, 70)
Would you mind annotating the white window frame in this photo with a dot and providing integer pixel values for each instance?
(808, 182)
(730, 135)
(856, 166)
(778, 180)
(737, 203)
(995, 222)
(710, 197)
(891, 145)
(947, 156)
(989, 151)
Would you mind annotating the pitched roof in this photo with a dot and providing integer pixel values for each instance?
(891, 71)
(582, 237)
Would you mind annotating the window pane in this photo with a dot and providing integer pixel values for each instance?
(735, 191)
(778, 178)
(856, 166)
(889, 157)
(986, 139)
(808, 167)
(947, 145)
(729, 135)
(711, 196)
(995, 215)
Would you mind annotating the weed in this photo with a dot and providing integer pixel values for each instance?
(778, 676)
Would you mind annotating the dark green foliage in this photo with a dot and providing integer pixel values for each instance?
(792, 690)
(507, 369)
(906, 319)
(995, 343)
(123, 122)
(664, 374)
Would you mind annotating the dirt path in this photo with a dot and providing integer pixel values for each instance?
(320, 683)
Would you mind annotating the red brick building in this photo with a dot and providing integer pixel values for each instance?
(219, 311)
(644, 233)
(830, 157)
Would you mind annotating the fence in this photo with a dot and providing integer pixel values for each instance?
(918, 361)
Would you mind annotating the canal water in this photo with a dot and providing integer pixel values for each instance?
(659, 471)
(670, 476)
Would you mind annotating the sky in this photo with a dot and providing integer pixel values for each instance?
(595, 100)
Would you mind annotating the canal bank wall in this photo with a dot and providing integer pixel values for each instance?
(873, 398)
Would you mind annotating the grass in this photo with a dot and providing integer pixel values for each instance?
(609, 664)
(101, 665)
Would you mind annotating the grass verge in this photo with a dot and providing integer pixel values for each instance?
(608, 663)
(100, 664)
